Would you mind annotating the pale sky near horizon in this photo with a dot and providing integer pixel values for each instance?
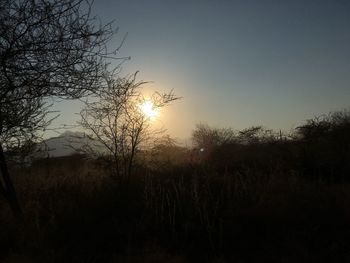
(236, 63)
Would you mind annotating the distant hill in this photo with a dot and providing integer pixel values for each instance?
(68, 143)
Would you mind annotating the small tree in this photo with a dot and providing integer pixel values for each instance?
(117, 121)
(47, 48)
(205, 136)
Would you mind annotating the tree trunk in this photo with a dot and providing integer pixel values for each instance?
(7, 188)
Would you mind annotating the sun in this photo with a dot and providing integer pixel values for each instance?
(149, 110)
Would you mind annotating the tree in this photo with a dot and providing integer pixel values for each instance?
(164, 153)
(257, 134)
(325, 146)
(115, 119)
(205, 136)
(48, 48)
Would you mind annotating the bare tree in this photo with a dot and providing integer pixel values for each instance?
(116, 120)
(48, 48)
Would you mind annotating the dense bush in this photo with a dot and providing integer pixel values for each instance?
(318, 150)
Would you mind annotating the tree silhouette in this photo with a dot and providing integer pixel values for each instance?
(325, 146)
(116, 120)
(48, 48)
(206, 136)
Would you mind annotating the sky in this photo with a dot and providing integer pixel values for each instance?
(235, 63)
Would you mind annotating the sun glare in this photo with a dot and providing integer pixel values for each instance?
(148, 109)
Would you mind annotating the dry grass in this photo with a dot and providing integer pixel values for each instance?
(76, 213)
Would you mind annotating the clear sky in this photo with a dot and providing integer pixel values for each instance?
(236, 63)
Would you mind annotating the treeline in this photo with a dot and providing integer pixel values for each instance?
(318, 150)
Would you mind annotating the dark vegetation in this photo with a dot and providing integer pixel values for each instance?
(238, 196)
(49, 49)
(245, 196)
